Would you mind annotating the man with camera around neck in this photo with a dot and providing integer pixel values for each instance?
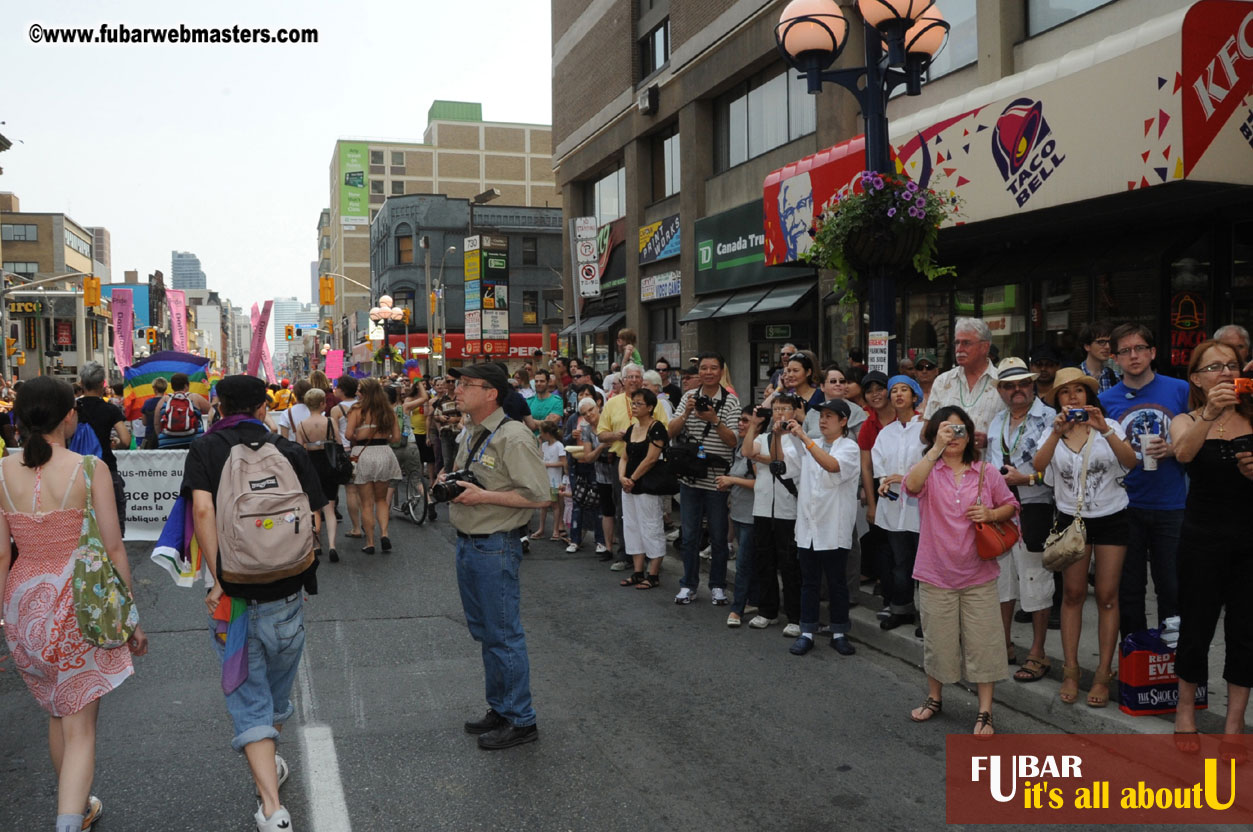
(705, 413)
(508, 483)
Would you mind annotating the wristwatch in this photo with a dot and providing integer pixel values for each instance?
(1107, 432)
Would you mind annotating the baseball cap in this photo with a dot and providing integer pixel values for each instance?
(490, 372)
(1044, 353)
(837, 406)
(242, 391)
(926, 356)
(874, 377)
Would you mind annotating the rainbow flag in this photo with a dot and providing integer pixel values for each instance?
(139, 377)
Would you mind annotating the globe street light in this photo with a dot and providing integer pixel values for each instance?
(902, 38)
(380, 314)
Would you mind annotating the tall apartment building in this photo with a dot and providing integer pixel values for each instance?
(303, 316)
(101, 253)
(185, 271)
(1061, 125)
(460, 155)
(240, 340)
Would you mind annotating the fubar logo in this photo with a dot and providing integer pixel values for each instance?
(1024, 148)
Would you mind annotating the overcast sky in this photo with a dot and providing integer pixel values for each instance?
(224, 150)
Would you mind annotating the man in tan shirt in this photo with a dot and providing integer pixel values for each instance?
(503, 457)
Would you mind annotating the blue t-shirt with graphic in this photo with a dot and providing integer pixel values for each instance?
(1148, 410)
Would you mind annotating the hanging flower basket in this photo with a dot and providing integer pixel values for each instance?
(880, 221)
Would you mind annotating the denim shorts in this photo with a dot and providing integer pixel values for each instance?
(276, 641)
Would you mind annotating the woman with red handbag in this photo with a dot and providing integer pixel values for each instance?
(961, 617)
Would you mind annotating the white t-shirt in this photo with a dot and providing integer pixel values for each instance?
(827, 509)
(770, 496)
(343, 408)
(1104, 493)
(553, 452)
(291, 417)
(897, 448)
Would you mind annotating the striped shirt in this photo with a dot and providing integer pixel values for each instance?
(694, 429)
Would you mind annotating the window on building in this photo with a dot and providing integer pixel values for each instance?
(761, 114)
(404, 248)
(77, 243)
(19, 233)
(530, 251)
(962, 48)
(530, 307)
(655, 49)
(1043, 15)
(374, 212)
(605, 199)
(376, 157)
(398, 158)
(25, 269)
(398, 188)
(665, 154)
(376, 186)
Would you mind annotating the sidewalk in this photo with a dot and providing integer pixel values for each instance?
(1038, 698)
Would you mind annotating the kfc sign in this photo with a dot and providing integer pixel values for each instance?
(1217, 71)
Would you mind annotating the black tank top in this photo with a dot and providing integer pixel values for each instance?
(1217, 491)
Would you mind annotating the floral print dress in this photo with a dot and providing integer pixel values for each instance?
(63, 672)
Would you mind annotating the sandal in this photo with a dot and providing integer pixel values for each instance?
(1069, 674)
(635, 579)
(1188, 742)
(983, 724)
(369, 550)
(1033, 669)
(649, 582)
(1099, 700)
(930, 708)
(357, 535)
(1235, 751)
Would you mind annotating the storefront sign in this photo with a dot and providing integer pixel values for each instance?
(877, 354)
(65, 333)
(796, 194)
(778, 332)
(658, 286)
(474, 324)
(730, 251)
(153, 480)
(659, 240)
(25, 307)
(1187, 326)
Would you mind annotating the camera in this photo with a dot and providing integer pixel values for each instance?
(763, 413)
(1244, 386)
(451, 487)
(1076, 414)
(703, 403)
(959, 431)
(778, 467)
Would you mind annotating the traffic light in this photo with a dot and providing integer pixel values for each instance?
(290, 331)
(91, 291)
(330, 326)
(406, 313)
(10, 346)
(326, 290)
(152, 337)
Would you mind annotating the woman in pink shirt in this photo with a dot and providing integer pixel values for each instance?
(961, 619)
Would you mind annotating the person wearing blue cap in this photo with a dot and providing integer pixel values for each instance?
(896, 449)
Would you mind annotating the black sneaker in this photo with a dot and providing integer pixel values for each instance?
(1022, 617)
(334, 556)
(490, 722)
(430, 513)
(508, 736)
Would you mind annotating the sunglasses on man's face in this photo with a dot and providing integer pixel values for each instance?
(924, 367)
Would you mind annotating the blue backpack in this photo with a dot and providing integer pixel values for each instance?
(85, 441)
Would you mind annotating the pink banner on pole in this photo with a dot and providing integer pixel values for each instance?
(334, 364)
(123, 305)
(259, 350)
(177, 301)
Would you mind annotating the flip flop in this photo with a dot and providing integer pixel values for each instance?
(358, 535)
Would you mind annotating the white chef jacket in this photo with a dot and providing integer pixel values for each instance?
(826, 509)
(897, 449)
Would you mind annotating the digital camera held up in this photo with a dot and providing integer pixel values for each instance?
(703, 403)
(451, 487)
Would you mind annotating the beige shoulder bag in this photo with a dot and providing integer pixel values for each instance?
(1063, 548)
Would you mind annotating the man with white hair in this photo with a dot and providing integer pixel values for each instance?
(796, 214)
(971, 385)
(1236, 337)
(652, 381)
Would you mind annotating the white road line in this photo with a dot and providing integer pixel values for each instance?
(327, 808)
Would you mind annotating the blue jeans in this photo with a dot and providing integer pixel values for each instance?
(487, 575)
(1152, 543)
(695, 505)
(583, 519)
(814, 563)
(743, 567)
(276, 641)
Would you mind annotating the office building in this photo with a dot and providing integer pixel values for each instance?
(185, 271)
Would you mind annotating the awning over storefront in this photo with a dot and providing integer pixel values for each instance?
(594, 324)
(1151, 106)
(760, 299)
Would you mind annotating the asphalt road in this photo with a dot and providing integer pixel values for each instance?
(651, 716)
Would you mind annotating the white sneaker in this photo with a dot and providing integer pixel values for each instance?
(792, 631)
(280, 821)
(720, 598)
(619, 566)
(883, 613)
(601, 548)
(672, 535)
(572, 548)
(733, 620)
(685, 596)
(707, 552)
(760, 622)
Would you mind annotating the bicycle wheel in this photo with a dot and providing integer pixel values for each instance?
(415, 497)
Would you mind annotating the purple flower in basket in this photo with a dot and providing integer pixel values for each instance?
(914, 212)
(920, 202)
(911, 187)
(891, 212)
(878, 183)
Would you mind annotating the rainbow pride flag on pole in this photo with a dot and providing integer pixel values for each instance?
(139, 377)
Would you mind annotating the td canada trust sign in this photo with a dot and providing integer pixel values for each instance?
(731, 251)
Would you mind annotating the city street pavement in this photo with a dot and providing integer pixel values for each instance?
(651, 716)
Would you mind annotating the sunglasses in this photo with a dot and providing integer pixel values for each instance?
(924, 367)
(1017, 385)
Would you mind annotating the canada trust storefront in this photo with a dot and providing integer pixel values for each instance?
(1114, 183)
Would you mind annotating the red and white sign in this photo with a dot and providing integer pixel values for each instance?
(65, 333)
(1217, 72)
(519, 345)
(586, 256)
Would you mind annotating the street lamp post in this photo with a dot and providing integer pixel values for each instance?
(441, 312)
(811, 34)
(382, 314)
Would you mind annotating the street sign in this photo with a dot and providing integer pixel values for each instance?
(877, 354)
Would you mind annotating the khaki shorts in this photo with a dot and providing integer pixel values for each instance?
(963, 636)
(1024, 579)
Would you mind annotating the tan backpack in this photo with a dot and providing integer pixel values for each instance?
(264, 520)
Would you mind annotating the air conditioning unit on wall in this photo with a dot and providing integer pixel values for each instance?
(647, 101)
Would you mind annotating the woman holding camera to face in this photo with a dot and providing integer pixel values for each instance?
(1081, 421)
(1215, 562)
(961, 612)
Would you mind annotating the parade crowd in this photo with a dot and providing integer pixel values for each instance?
(1003, 488)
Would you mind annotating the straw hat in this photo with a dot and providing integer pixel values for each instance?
(1014, 369)
(1070, 375)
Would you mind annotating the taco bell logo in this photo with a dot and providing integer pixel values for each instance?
(1024, 149)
